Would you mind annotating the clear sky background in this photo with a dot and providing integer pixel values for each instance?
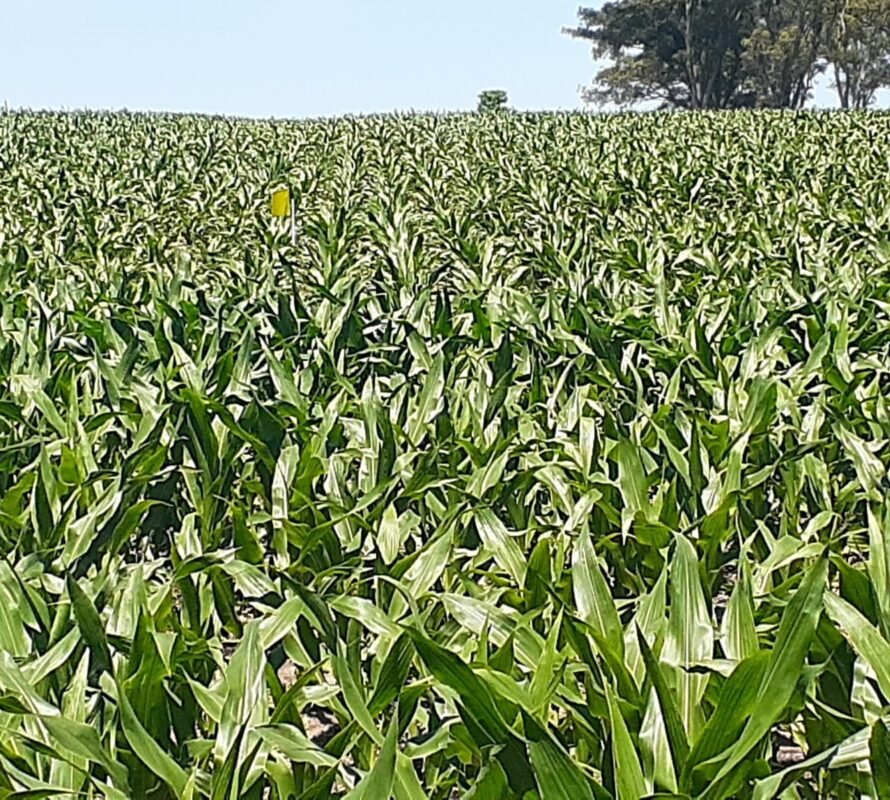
(292, 58)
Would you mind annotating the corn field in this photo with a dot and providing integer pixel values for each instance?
(551, 463)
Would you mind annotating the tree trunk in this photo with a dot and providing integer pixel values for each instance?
(842, 86)
(694, 96)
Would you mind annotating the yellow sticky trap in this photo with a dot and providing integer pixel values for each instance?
(280, 203)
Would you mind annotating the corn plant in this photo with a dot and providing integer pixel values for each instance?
(551, 462)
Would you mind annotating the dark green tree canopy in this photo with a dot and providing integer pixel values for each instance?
(859, 51)
(782, 51)
(699, 54)
(492, 100)
(671, 51)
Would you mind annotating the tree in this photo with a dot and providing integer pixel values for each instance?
(682, 53)
(492, 100)
(729, 53)
(781, 54)
(859, 51)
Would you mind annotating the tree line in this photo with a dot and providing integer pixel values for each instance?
(698, 54)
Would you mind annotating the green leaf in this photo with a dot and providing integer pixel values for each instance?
(628, 773)
(291, 742)
(738, 632)
(503, 547)
(865, 638)
(491, 783)
(869, 468)
(690, 635)
(592, 595)
(556, 774)
(89, 623)
(783, 669)
(429, 403)
(407, 786)
(879, 746)
(631, 477)
(83, 740)
(673, 722)
(734, 707)
(768, 788)
(477, 700)
(245, 686)
(389, 538)
(355, 702)
(147, 750)
(451, 671)
(393, 674)
(378, 782)
(879, 562)
(546, 677)
(128, 523)
(225, 783)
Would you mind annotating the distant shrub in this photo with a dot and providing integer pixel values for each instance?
(492, 100)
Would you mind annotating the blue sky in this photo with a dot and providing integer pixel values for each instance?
(296, 58)
(289, 59)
